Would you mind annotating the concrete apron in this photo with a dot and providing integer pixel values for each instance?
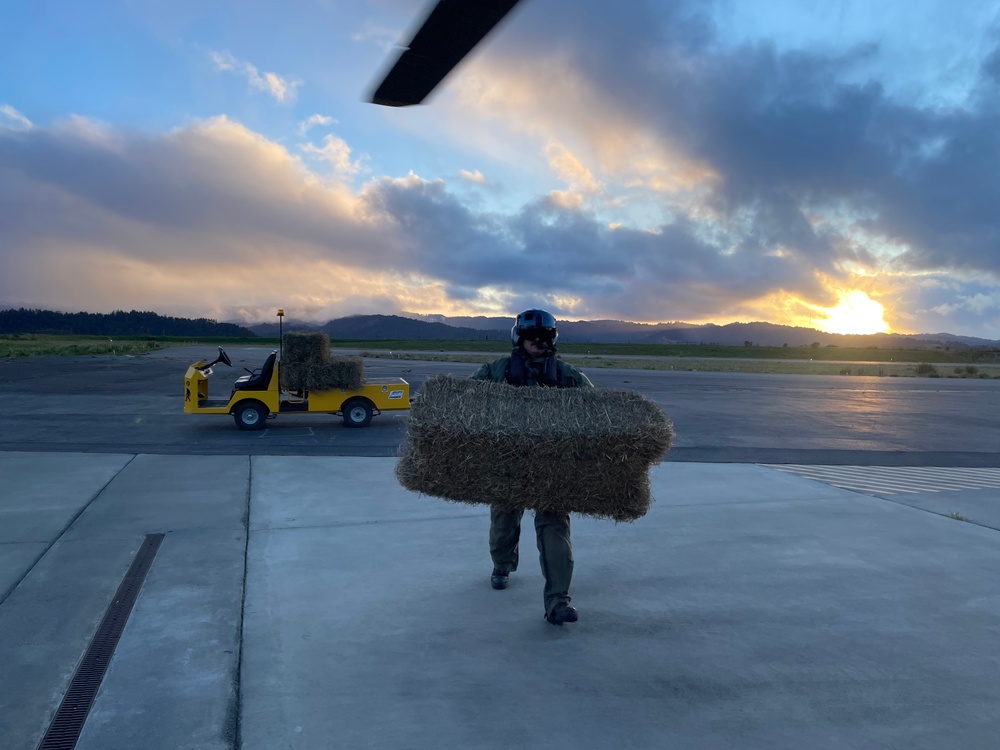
(171, 682)
(750, 608)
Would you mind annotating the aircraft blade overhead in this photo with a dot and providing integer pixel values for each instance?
(448, 34)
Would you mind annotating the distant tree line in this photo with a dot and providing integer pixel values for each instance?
(118, 323)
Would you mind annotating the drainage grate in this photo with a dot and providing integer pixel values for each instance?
(64, 731)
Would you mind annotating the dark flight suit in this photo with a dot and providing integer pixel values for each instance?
(552, 533)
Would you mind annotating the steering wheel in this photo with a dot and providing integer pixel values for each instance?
(223, 358)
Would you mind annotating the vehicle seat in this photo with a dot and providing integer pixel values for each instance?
(261, 380)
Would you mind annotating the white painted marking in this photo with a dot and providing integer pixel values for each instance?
(890, 480)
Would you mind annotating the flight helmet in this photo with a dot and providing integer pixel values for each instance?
(534, 324)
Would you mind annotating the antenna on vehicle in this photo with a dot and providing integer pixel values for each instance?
(281, 314)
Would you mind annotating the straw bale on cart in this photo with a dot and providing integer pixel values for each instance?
(306, 364)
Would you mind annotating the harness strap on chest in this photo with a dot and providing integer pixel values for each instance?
(519, 371)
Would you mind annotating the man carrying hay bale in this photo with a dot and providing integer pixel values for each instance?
(533, 363)
(566, 448)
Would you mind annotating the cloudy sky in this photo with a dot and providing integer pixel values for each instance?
(828, 163)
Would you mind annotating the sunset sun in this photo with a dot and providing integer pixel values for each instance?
(857, 313)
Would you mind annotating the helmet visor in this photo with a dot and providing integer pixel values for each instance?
(538, 334)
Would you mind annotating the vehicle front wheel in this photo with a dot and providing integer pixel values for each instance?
(357, 412)
(250, 415)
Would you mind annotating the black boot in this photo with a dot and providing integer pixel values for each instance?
(499, 579)
(561, 614)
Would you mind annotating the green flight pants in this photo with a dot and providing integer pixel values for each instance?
(555, 551)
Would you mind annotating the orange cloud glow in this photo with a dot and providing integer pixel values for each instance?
(553, 103)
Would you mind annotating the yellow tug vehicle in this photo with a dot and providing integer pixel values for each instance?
(257, 396)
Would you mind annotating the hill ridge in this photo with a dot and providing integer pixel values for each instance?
(428, 327)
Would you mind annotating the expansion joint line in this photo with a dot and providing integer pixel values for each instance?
(44, 552)
(238, 676)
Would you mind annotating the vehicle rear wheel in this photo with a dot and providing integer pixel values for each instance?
(357, 412)
(250, 415)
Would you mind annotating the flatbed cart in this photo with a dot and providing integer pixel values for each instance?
(258, 396)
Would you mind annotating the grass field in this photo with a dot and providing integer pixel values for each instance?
(702, 351)
(694, 364)
(954, 363)
(39, 345)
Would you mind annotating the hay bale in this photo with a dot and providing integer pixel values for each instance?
(336, 372)
(304, 347)
(292, 376)
(306, 364)
(568, 450)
